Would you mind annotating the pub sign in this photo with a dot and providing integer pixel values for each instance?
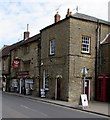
(16, 63)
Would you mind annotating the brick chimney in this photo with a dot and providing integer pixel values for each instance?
(68, 13)
(26, 34)
(57, 17)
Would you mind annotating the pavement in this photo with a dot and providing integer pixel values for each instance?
(97, 107)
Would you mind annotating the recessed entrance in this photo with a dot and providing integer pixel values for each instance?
(58, 89)
(87, 88)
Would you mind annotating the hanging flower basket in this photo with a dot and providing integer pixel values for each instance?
(59, 76)
(38, 77)
(49, 77)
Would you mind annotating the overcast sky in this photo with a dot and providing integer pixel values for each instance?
(16, 14)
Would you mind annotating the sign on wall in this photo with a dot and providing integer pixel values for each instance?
(16, 63)
(22, 73)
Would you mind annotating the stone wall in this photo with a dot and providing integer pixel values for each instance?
(78, 60)
(58, 63)
(68, 59)
(32, 57)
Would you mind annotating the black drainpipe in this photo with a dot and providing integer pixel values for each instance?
(97, 55)
(39, 60)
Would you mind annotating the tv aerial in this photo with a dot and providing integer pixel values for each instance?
(76, 9)
(57, 10)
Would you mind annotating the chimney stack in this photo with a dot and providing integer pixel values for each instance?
(68, 13)
(57, 17)
(26, 34)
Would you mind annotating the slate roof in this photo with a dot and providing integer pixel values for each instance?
(29, 40)
(89, 18)
(6, 51)
(81, 16)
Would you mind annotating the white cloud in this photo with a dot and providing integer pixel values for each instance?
(15, 14)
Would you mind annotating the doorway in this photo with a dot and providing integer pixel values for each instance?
(58, 89)
(87, 88)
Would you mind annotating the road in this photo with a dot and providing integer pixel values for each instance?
(20, 107)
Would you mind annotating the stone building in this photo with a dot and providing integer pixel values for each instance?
(67, 46)
(54, 59)
(4, 67)
(103, 81)
(25, 65)
(105, 55)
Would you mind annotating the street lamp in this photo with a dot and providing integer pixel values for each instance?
(84, 72)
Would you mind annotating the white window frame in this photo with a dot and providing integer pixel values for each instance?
(45, 75)
(86, 41)
(52, 47)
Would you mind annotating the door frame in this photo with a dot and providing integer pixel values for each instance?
(88, 89)
(56, 89)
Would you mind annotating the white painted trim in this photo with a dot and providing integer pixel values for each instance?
(51, 53)
(105, 39)
(89, 90)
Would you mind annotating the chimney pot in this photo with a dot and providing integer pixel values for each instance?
(26, 34)
(68, 13)
(57, 17)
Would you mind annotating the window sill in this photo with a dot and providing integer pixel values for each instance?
(85, 53)
(52, 55)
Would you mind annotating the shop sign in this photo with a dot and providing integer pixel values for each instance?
(29, 81)
(23, 73)
(16, 63)
(14, 83)
(84, 100)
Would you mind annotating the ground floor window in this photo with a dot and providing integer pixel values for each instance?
(45, 80)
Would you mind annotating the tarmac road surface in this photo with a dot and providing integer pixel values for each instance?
(20, 107)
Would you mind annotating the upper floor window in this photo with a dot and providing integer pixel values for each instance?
(26, 49)
(52, 47)
(27, 66)
(4, 65)
(85, 44)
(15, 53)
(45, 80)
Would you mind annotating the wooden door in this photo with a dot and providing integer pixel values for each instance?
(58, 88)
(87, 88)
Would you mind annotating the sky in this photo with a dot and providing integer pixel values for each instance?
(16, 14)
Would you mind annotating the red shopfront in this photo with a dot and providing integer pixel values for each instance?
(103, 88)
